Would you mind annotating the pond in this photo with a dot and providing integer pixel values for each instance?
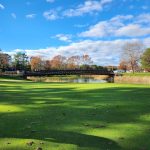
(70, 79)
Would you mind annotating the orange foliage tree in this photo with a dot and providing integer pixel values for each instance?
(36, 63)
(58, 62)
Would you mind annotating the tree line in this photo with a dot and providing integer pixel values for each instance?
(134, 57)
(20, 61)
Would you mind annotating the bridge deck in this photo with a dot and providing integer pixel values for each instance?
(70, 72)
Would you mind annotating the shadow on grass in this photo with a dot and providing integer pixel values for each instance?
(63, 114)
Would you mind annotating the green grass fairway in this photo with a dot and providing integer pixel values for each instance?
(57, 116)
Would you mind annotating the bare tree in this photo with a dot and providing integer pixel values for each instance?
(132, 53)
(87, 60)
(73, 62)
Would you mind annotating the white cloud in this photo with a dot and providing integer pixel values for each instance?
(51, 15)
(133, 30)
(2, 6)
(30, 16)
(89, 6)
(106, 28)
(119, 26)
(50, 1)
(101, 52)
(81, 25)
(147, 42)
(64, 37)
(143, 18)
(13, 15)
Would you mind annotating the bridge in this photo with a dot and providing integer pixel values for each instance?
(70, 72)
(110, 74)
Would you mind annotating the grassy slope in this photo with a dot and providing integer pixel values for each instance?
(74, 116)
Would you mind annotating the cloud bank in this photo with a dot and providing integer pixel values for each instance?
(102, 52)
(120, 26)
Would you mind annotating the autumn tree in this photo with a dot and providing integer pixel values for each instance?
(36, 63)
(123, 65)
(145, 60)
(47, 65)
(58, 62)
(132, 53)
(4, 60)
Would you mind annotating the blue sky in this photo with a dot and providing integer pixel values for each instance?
(73, 27)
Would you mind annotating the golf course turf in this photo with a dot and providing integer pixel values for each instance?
(71, 116)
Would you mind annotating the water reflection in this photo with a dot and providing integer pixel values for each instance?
(87, 81)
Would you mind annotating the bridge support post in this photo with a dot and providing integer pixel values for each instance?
(24, 75)
(111, 78)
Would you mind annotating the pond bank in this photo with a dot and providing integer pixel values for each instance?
(133, 79)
